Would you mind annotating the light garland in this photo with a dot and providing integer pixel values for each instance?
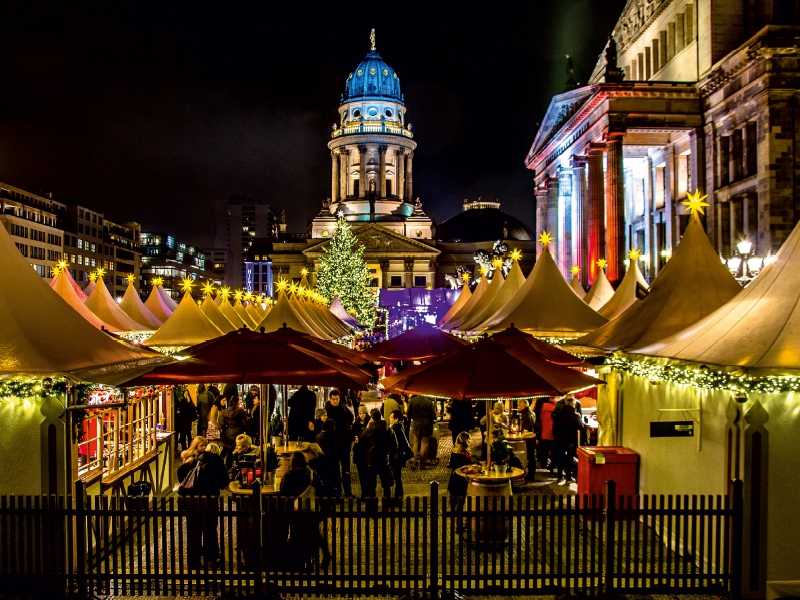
(705, 378)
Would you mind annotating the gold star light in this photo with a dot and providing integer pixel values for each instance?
(248, 296)
(304, 271)
(545, 239)
(92, 276)
(602, 263)
(225, 292)
(497, 263)
(187, 284)
(208, 288)
(237, 295)
(55, 270)
(131, 278)
(157, 281)
(575, 270)
(465, 277)
(695, 202)
(100, 272)
(282, 284)
(484, 269)
(634, 254)
(516, 254)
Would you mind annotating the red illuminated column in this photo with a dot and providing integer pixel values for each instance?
(596, 193)
(578, 217)
(615, 210)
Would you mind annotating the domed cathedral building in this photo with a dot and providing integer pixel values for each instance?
(687, 95)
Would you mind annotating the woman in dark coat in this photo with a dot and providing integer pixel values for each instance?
(234, 423)
(457, 485)
(461, 418)
(185, 415)
(330, 444)
(359, 455)
(402, 453)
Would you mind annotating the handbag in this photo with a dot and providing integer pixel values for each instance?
(190, 481)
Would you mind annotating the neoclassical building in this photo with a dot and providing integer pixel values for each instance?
(689, 94)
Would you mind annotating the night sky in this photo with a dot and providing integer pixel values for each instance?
(152, 112)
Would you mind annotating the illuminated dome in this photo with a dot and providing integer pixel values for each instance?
(482, 222)
(373, 79)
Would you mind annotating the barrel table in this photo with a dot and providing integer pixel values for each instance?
(520, 442)
(285, 456)
(488, 531)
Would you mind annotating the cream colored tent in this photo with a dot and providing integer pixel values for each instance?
(626, 292)
(283, 312)
(600, 292)
(186, 327)
(758, 330)
(477, 294)
(692, 285)
(577, 286)
(104, 306)
(214, 314)
(78, 291)
(226, 308)
(238, 307)
(340, 313)
(546, 305)
(171, 304)
(156, 305)
(255, 316)
(40, 335)
(464, 319)
(323, 315)
(63, 287)
(313, 319)
(88, 291)
(133, 306)
(514, 281)
(462, 299)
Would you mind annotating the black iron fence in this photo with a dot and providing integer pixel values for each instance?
(419, 546)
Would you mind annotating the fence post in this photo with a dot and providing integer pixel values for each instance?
(433, 525)
(80, 538)
(737, 519)
(611, 517)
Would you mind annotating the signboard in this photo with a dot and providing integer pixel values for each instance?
(671, 429)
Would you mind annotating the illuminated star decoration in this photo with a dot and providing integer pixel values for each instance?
(187, 284)
(484, 269)
(497, 263)
(237, 295)
(695, 203)
(92, 276)
(602, 263)
(304, 271)
(516, 254)
(100, 272)
(575, 270)
(282, 284)
(545, 239)
(340, 214)
(131, 278)
(225, 292)
(465, 277)
(634, 254)
(55, 270)
(208, 288)
(157, 281)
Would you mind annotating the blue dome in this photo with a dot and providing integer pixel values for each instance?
(373, 78)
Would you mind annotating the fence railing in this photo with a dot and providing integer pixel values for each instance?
(419, 546)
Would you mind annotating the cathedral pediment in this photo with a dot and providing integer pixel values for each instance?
(378, 240)
(561, 109)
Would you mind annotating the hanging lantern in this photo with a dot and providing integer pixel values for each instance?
(514, 422)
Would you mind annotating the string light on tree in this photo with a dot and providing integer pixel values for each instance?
(343, 270)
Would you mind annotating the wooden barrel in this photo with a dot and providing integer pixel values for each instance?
(489, 531)
(520, 449)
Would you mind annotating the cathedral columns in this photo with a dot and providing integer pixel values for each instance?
(334, 177)
(343, 174)
(615, 210)
(382, 167)
(596, 219)
(362, 171)
(552, 215)
(409, 178)
(578, 217)
(408, 267)
(541, 214)
(399, 173)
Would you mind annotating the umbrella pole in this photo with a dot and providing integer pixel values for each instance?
(285, 406)
(488, 436)
(261, 437)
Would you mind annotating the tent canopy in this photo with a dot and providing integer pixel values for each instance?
(692, 285)
(186, 327)
(78, 291)
(488, 307)
(759, 329)
(600, 292)
(626, 293)
(340, 313)
(283, 313)
(478, 305)
(463, 297)
(477, 294)
(61, 285)
(155, 304)
(133, 306)
(421, 343)
(214, 314)
(576, 285)
(104, 306)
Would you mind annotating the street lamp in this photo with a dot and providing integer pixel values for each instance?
(745, 267)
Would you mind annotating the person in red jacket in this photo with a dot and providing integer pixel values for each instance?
(544, 423)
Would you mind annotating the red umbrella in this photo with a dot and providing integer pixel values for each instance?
(526, 343)
(421, 343)
(287, 335)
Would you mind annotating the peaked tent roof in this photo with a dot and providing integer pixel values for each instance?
(253, 313)
(156, 305)
(546, 305)
(692, 285)
(88, 291)
(759, 329)
(104, 306)
(167, 298)
(326, 316)
(513, 282)
(214, 314)
(42, 336)
(306, 313)
(78, 291)
(477, 294)
(625, 294)
(577, 286)
(283, 312)
(465, 320)
(462, 299)
(64, 288)
(186, 327)
(133, 306)
(600, 292)
(340, 313)
(246, 318)
(226, 308)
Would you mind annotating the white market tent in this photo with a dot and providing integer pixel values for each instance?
(133, 306)
(465, 318)
(483, 312)
(546, 305)
(626, 293)
(477, 294)
(600, 292)
(692, 285)
(214, 314)
(226, 308)
(340, 313)
(758, 330)
(238, 307)
(40, 335)
(89, 289)
(61, 285)
(339, 327)
(576, 285)
(78, 291)
(104, 306)
(186, 327)
(155, 304)
(171, 304)
(284, 312)
(314, 320)
(255, 316)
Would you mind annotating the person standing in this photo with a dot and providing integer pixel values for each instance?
(461, 417)
(234, 423)
(185, 415)
(390, 404)
(302, 405)
(205, 400)
(344, 422)
(457, 485)
(379, 445)
(403, 452)
(543, 411)
(422, 414)
(359, 447)
(250, 398)
(527, 424)
(567, 425)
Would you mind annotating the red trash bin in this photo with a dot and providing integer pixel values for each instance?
(617, 463)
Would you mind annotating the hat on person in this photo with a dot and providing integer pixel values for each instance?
(363, 409)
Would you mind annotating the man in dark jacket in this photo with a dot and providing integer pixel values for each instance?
(398, 460)
(185, 415)
(205, 400)
(527, 422)
(302, 405)
(422, 414)
(461, 417)
(344, 421)
(379, 445)
(566, 427)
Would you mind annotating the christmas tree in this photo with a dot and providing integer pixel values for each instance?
(343, 272)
